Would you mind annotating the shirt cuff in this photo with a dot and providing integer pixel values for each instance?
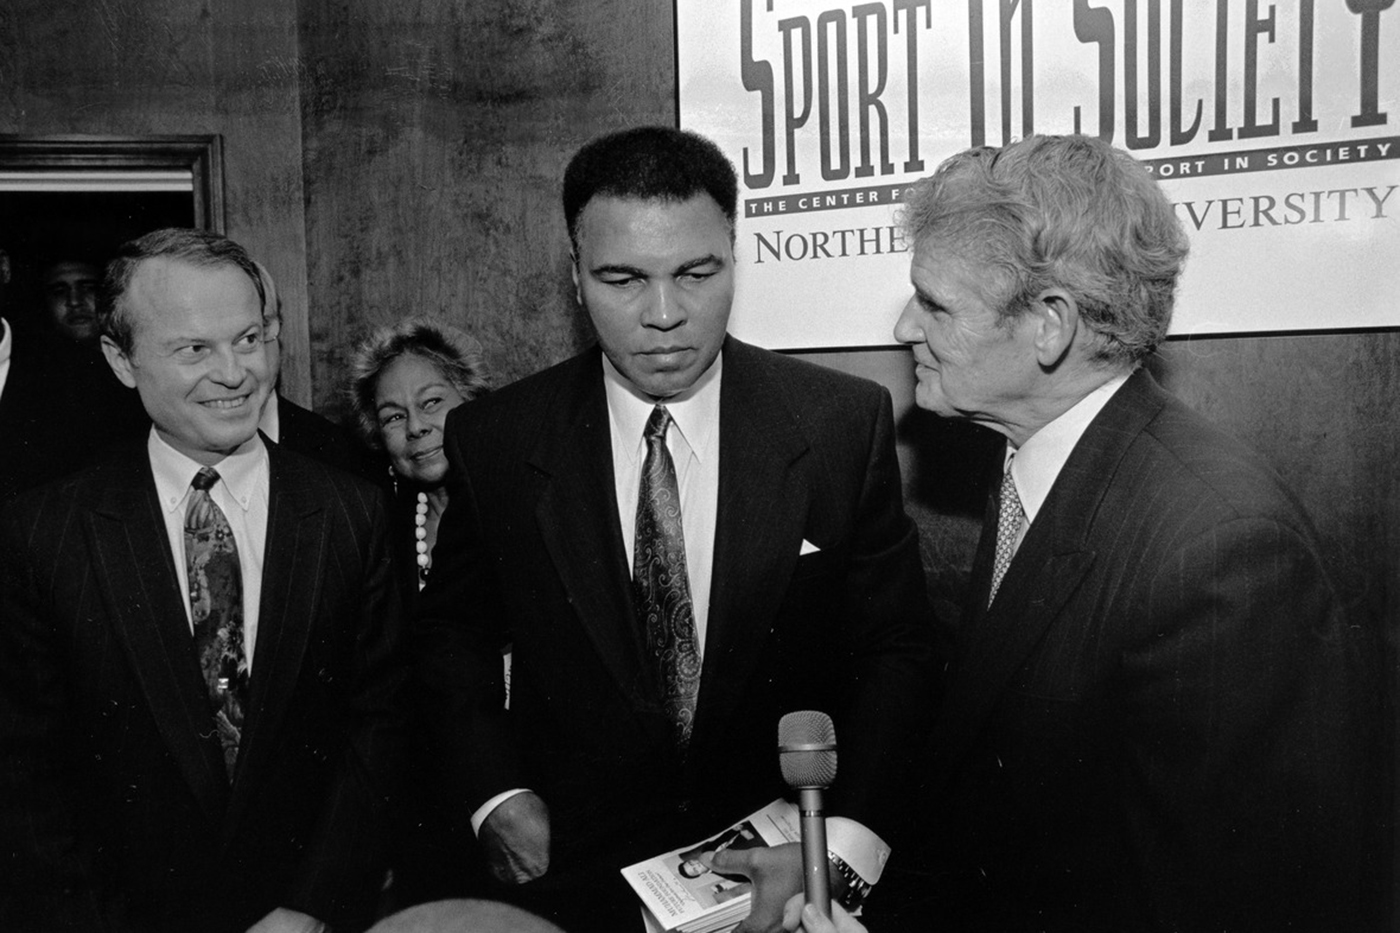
(482, 812)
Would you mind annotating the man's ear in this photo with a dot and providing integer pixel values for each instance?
(116, 359)
(1056, 316)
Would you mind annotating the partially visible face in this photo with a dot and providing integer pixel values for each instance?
(968, 365)
(657, 279)
(693, 868)
(412, 399)
(197, 356)
(70, 297)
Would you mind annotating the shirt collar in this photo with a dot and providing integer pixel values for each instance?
(1039, 460)
(695, 411)
(239, 472)
(7, 342)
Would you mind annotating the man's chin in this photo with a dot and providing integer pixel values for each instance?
(663, 385)
(934, 402)
(235, 426)
(229, 441)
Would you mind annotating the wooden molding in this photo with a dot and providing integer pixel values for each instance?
(201, 155)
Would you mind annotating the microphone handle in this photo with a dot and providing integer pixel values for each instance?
(814, 871)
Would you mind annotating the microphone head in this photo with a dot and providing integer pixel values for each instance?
(807, 749)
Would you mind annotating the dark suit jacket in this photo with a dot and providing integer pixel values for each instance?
(530, 551)
(114, 806)
(60, 406)
(320, 439)
(1159, 723)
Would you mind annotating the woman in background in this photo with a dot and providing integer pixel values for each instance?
(404, 380)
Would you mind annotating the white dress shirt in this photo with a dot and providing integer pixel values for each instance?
(241, 493)
(7, 345)
(1037, 463)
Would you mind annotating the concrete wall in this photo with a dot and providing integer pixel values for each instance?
(436, 134)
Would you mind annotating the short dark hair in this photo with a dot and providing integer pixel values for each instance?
(651, 163)
(1067, 211)
(51, 263)
(456, 355)
(196, 247)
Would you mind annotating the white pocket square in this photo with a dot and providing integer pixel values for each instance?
(807, 548)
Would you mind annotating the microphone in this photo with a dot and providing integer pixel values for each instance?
(807, 756)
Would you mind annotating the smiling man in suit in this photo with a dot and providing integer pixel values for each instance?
(683, 537)
(1155, 719)
(198, 667)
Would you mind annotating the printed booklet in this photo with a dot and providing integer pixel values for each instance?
(680, 894)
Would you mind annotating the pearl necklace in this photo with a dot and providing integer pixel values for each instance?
(420, 533)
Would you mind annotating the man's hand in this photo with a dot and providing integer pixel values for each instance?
(797, 916)
(283, 920)
(515, 836)
(776, 873)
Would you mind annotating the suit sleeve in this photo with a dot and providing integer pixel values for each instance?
(343, 867)
(458, 640)
(890, 640)
(46, 880)
(1245, 730)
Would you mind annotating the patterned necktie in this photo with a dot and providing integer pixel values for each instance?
(216, 607)
(660, 583)
(1008, 524)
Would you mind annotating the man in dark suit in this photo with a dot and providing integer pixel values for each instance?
(57, 409)
(654, 653)
(1155, 720)
(198, 666)
(286, 423)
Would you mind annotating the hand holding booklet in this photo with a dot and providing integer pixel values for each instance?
(681, 894)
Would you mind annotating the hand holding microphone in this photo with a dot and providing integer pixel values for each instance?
(807, 757)
(801, 917)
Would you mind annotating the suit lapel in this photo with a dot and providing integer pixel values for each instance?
(759, 522)
(293, 575)
(578, 519)
(1049, 566)
(997, 640)
(136, 572)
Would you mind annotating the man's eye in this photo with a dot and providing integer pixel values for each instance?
(696, 276)
(431, 403)
(391, 419)
(193, 351)
(622, 281)
(249, 341)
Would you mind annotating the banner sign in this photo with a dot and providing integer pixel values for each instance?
(1274, 128)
